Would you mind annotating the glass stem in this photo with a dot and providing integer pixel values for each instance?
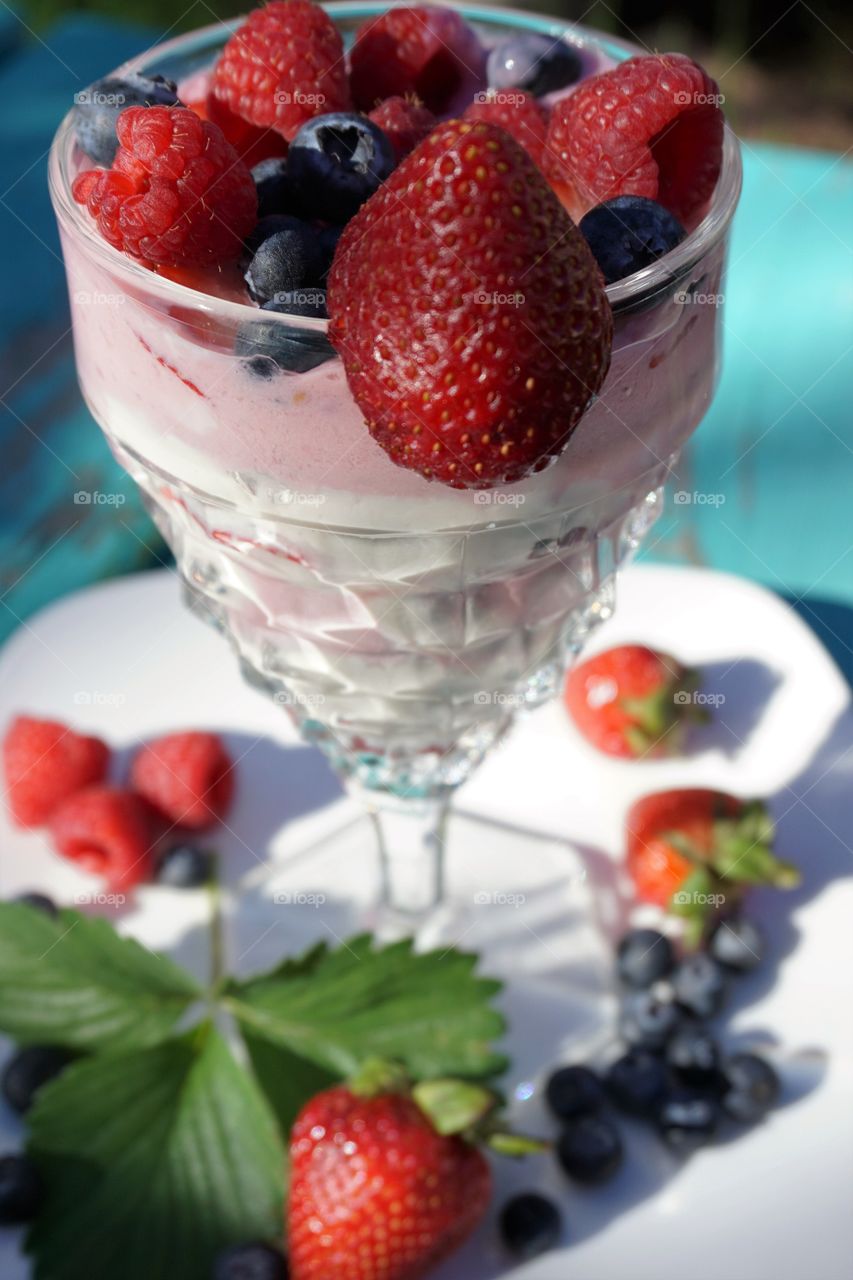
(411, 839)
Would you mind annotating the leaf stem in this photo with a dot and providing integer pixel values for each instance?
(217, 933)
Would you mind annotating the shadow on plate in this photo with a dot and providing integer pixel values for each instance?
(738, 693)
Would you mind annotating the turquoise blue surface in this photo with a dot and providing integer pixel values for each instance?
(776, 449)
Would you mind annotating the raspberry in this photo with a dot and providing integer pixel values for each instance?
(282, 67)
(650, 127)
(425, 50)
(468, 311)
(404, 121)
(45, 761)
(517, 112)
(108, 831)
(187, 777)
(177, 194)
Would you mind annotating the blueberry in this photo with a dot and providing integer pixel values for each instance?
(737, 943)
(268, 347)
(538, 63)
(328, 238)
(637, 1082)
(288, 258)
(700, 985)
(184, 867)
(644, 956)
(97, 108)
(336, 162)
(573, 1091)
(590, 1149)
(39, 902)
(752, 1087)
(629, 233)
(648, 1020)
(30, 1069)
(687, 1119)
(20, 1190)
(274, 192)
(530, 1225)
(693, 1056)
(250, 1262)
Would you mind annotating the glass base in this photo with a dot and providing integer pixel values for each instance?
(519, 899)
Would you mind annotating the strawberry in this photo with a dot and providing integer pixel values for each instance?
(696, 850)
(44, 763)
(468, 311)
(652, 126)
(516, 111)
(632, 701)
(379, 1190)
(283, 66)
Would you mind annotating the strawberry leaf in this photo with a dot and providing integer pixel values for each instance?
(430, 1012)
(287, 1080)
(152, 1162)
(73, 981)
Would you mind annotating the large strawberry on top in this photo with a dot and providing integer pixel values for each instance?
(468, 311)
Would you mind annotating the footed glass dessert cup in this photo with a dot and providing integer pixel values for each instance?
(402, 624)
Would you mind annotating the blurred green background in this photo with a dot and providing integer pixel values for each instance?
(792, 82)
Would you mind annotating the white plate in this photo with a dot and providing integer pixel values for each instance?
(125, 661)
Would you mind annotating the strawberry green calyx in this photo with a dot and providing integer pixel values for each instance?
(659, 719)
(740, 855)
(472, 1112)
(454, 1106)
(379, 1075)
